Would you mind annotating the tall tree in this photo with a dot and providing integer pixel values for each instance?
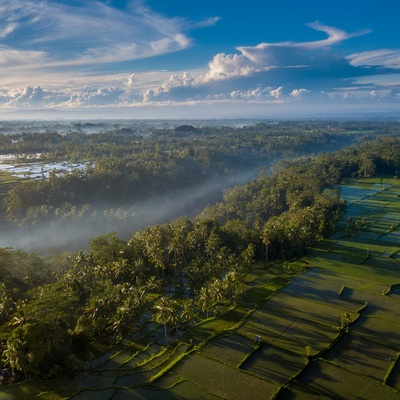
(163, 313)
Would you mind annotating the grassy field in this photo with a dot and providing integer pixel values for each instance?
(335, 382)
(229, 350)
(274, 364)
(223, 380)
(308, 309)
(363, 357)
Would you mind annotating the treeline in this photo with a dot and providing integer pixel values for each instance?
(52, 310)
(127, 168)
(75, 145)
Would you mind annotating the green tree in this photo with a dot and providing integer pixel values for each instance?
(106, 248)
(189, 313)
(205, 300)
(15, 354)
(163, 314)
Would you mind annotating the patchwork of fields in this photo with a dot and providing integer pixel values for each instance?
(331, 332)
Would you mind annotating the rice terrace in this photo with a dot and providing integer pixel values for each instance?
(323, 326)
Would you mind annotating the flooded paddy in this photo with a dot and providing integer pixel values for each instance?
(36, 169)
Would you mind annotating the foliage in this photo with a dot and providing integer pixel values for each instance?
(127, 168)
(51, 307)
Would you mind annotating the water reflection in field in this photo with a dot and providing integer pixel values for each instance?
(38, 170)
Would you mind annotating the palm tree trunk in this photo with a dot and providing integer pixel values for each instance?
(166, 335)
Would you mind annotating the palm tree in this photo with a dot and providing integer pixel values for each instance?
(163, 313)
(205, 300)
(246, 258)
(155, 243)
(216, 292)
(55, 338)
(15, 356)
(266, 240)
(177, 247)
(189, 311)
(7, 304)
(175, 314)
(231, 285)
(121, 268)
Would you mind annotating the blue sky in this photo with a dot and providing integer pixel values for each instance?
(209, 58)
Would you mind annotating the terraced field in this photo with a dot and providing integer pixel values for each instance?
(331, 332)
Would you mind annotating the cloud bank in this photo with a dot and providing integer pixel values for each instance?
(283, 72)
(66, 55)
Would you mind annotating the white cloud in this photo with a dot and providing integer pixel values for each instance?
(374, 94)
(13, 58)
(207, 22)
(8, 30)
(277, 93)
(282, 67)
(293, 53)
(299, 93)
(227, 66)
(99, 97)
(334, 36)
(268, 73)
(26, 97)
(130, 83)
(384, 57)
(90, 33)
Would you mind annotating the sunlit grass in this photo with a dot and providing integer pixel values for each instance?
(223, 380)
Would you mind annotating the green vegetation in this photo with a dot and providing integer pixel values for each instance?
(276, 289)
(125, 169)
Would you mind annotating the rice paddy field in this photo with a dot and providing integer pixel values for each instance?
(329, 330)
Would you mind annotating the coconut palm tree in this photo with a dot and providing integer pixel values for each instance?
(216, 291)
(121, 268)
(231, 285)
(163, 313)
(7, 304)
(189, 313)
(155, 244)
(15, 355)
(205, 300)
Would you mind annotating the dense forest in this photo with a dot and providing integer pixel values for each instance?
(130, 169)
(136, 177)
(56, 309)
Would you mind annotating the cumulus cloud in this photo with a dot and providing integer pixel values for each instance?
(130, 81)
(289, 71)
(26, 97)
(267, 73)
(276, 93)
(99, 97)
(285, 54)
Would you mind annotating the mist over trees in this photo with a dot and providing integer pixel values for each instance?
(137, 176)
(54, 308)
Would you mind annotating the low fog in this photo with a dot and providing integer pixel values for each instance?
(74, 236)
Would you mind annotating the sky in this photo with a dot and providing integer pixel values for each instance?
(199, 59)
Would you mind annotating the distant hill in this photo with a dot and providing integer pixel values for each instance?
(185, 129)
